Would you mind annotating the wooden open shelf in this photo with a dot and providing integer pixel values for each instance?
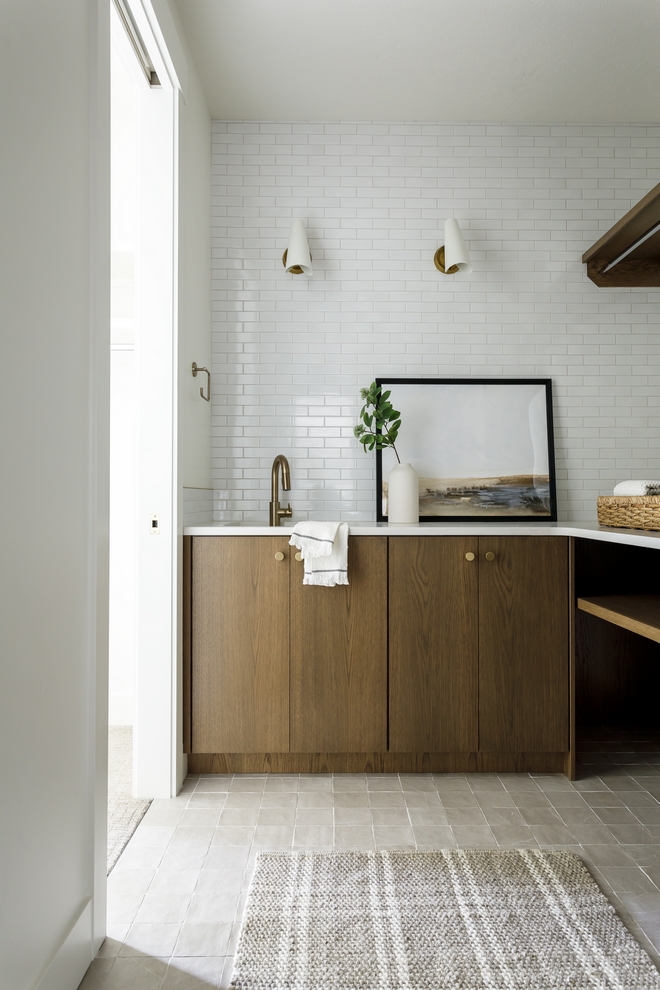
(637, 613)
(642, 266)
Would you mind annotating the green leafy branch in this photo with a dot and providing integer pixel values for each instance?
(380, 421)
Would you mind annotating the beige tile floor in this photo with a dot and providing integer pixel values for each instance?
(177, 893)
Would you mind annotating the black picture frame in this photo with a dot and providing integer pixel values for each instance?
(541, 506)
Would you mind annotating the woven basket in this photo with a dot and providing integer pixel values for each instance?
(629, 511)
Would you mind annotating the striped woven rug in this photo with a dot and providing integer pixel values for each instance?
(447, 920)
(124, 811)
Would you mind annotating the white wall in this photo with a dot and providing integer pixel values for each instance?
(172, 315)
(194, 304)
(194, 285)
(123, 497)
(53, 493)
(290, 353)
(194, 247)
(192, 453)
(127, 83)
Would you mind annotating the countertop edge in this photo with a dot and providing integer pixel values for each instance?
(588, 531)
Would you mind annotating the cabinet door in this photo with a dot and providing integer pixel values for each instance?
(433, 604)
(339, 656)
(240, 645)
(524, 648)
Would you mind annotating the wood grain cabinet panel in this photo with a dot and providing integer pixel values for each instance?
(434, 642)
(440, 649)
(339, 656)
(523, 644)
(240, 644)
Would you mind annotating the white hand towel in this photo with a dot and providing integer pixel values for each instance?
(314, 539)
(638, 488)
(324, 548)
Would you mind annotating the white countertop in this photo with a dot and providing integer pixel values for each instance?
(589, 531)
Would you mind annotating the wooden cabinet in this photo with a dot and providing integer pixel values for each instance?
(635, 240)
(240, 645)
(338, 678)
(443, 653)
(479, 648)
(434, 645)
(274, 666)
(523, 644)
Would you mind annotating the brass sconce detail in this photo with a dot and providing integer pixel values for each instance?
(298, 250)
(439, 262)
(453, 256)
(295, 269)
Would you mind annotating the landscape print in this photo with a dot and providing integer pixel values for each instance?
(518, 494)
(481, 449)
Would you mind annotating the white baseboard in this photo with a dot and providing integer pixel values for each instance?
(73, 958)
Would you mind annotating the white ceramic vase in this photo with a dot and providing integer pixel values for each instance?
(403, 495)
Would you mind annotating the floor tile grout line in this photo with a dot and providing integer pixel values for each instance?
(541, 785)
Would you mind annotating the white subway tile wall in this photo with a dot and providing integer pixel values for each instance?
(290, 352)
(197, 506)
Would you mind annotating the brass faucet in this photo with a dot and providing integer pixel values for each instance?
(276, 513)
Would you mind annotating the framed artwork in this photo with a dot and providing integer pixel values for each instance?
(483, 448)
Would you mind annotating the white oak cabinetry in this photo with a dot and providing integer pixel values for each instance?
(443, 653)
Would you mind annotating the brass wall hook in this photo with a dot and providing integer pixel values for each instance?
(195, 369)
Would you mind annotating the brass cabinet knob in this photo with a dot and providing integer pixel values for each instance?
(469, 556)
(298, 556)
(490, 555)
(279, 555)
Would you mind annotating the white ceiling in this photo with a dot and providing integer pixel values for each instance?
(436, 60)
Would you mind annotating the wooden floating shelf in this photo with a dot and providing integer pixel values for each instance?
(640, 267)
(637, 613)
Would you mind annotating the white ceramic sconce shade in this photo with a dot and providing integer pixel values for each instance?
(296, 259)
(453, 256)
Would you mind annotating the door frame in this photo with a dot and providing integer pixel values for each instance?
(157, 765)
(155, 770)
(161, 769)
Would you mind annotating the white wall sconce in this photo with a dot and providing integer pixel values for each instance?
(452, 257)
(296, 259)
